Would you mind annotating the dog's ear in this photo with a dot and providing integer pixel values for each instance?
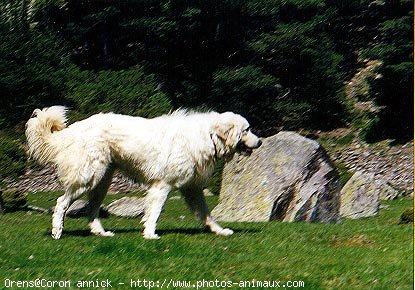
(226, 130)
(35, 112)
(222, 130)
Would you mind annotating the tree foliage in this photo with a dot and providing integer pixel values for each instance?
(31, 66)
(394, 90)
(131, 92)
(279, 63)
(12, 157)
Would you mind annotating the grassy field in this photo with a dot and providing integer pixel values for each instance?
(372, 253)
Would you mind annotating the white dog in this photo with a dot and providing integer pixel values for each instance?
(175, 151)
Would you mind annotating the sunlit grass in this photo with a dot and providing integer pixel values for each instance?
(372, 253)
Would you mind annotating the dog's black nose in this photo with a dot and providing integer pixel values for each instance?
(259, 143)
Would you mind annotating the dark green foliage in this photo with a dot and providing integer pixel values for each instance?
(303, 58)
(14, 199)
(30, 74)
(131, 92)
(281, 50)
(297, 10)
(12, 157)
(282, 64)
(394, 90)
(31, 64)
(369, 132)
(407, 217)
(249, 91)
(344, 173)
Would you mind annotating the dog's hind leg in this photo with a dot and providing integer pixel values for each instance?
(196, 201)
(62, 205)
(155, 199)
(96, 196)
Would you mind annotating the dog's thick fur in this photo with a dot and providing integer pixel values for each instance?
(175, 151)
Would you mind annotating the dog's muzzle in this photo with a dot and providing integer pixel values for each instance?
(245, 150)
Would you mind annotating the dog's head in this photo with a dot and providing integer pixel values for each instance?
(233, 131)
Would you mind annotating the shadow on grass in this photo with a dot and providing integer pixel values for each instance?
(183, 231)
(86, 232)
(75, 233)
(198, 231)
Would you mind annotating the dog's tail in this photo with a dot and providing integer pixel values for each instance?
(39, 130)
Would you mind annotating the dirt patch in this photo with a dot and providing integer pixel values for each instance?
(355, 241)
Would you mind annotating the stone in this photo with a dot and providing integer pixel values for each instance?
(289, 178)
(46, 179)
(127, 207)
(79, 209)
(360, 196)
(393, 164)
(207, 192)
(386, 191)
(37, 208)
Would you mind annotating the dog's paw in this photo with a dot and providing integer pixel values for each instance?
(151, 236)
(225, 232)
(103, 234)
(107, 234)
(56, 233)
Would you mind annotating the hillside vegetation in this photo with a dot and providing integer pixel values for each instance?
(281, 64)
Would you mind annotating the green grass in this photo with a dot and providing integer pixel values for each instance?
(343, 139)
(344, 173)
(372, 253)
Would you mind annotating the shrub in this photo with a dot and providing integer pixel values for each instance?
(131, 92)
(31, 74)
(394, 90)
(14, 199)
(12, 157)
(303, 58)
(247, 91)
(370, 131)
(344, 173)
(407, 216)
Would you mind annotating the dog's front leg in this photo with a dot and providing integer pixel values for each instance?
(155, 200)
(62, 205)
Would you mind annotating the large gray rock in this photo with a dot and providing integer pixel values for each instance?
(360, 196)
(289, 178)
(127, 207)
(78, 208)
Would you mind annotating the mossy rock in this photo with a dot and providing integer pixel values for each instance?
(289, 178)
